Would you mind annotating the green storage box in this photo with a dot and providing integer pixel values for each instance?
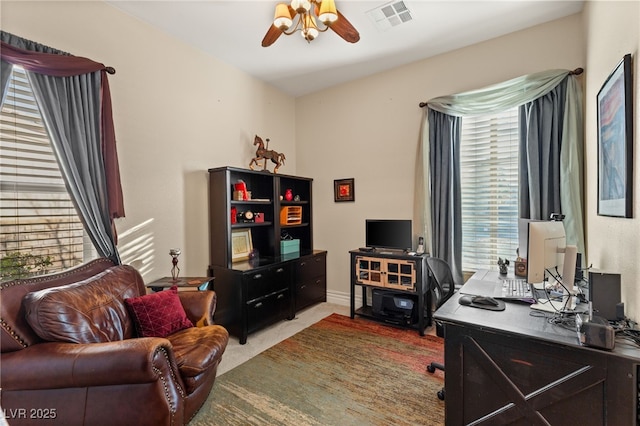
(289, 246)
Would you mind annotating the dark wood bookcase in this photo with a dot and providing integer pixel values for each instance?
(271, 286)
(266, 189)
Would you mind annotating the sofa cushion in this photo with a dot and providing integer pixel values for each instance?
(158, 314)
(89, 311)
(198, 350)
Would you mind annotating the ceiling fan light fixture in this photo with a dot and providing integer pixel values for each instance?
(310, 30)
(301, 6)
(282, 18)
(298, 15)
(328, 13)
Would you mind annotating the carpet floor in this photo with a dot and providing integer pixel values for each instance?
(339, 371)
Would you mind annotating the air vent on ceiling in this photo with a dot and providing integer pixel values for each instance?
(390, 15)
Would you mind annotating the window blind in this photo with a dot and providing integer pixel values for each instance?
(489, 185)
(37, 215)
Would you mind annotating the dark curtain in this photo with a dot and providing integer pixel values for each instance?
(73, 96)
(541, 124)
(446, 216)
(551, 115)
(21, 43)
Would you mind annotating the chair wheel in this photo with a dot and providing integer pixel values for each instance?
(441, 395)
(430, 368)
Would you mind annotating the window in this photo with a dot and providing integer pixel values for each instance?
(39, 228)
(489, 185)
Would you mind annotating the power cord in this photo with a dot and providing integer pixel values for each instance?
(560, 298)
(627, 329)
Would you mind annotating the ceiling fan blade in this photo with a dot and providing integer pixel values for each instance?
(271, 36)
(274, 32)
(344, 29)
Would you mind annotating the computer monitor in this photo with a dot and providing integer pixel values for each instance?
(548, 251)
(394, 234)
(523, 235)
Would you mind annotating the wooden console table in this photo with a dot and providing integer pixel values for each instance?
(397, 274)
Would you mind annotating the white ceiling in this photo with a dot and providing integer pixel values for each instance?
(232, 31)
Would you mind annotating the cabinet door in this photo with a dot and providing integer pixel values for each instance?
(400, 274)
(310, 292)
(311, 267)
(311, 282)
(370, 271)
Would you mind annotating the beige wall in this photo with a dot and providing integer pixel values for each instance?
(371, 129)
(177, 113)
(612, 29)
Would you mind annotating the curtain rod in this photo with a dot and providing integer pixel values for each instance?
(110, 70)
(577, 71)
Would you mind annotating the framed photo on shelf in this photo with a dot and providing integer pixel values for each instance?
(343, 190)
(615, 142)
(241, 244)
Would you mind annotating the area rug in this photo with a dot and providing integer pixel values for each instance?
(339, 371)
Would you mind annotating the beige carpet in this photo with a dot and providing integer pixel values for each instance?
(337, 372)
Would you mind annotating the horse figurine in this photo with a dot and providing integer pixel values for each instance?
(265, 154)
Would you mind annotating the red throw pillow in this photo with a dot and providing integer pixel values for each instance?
(158, 314)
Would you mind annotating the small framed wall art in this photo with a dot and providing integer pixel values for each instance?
(343, 190)
(615, 142)
(241, 244)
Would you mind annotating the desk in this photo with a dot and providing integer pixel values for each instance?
(511, 367)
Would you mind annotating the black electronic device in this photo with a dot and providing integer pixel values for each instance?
(620, 311)
(394, 234)
(579, 274)
(596, 332)
(394, 307)
(465, 300)
(604, 294)
(247, 217)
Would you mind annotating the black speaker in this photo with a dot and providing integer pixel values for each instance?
(597, 333)
(579, 275)
(604, 294)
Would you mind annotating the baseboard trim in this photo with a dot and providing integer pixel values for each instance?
(343, 299)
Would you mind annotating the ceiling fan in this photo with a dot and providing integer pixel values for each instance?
(304, 16)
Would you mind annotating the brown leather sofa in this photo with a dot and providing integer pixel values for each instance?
(121, 379)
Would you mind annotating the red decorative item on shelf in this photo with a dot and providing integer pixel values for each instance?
(234, 215)
(242, 187)
(288, 195)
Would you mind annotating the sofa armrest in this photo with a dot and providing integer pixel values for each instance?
(199, 306)
(68, 365)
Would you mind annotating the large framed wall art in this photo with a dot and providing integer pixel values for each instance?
(615, 142)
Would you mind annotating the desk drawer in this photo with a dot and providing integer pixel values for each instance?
(267, 310)
(267, 281)
(311, 267)
(310, 292)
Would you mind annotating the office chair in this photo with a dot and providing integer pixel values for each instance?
(442, 288)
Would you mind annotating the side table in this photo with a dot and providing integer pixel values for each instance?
(188, 283)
